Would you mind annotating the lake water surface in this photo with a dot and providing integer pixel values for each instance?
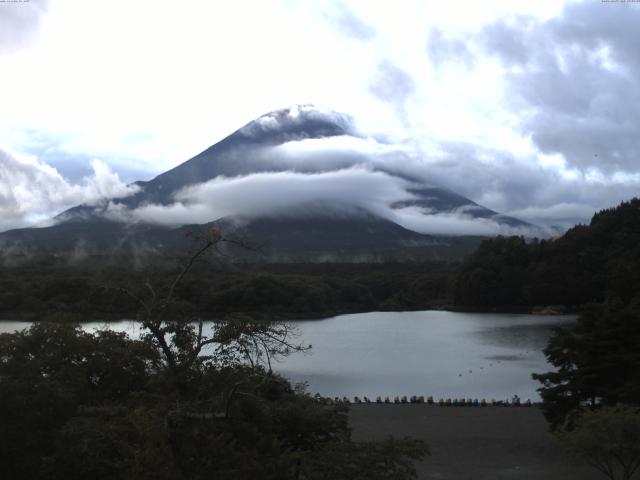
(439, 353)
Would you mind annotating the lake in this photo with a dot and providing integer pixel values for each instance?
(439, 353)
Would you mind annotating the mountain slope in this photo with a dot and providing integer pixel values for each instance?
(315, 198)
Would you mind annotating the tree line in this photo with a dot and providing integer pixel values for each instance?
(92, 289)
(589, 263)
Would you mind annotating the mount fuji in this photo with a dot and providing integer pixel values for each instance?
(303, 182)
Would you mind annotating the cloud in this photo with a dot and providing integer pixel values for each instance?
(575, 80)
(510, 39)
(516, 185)
(342, 19)
(272, 193)
(32, 191)
(454, 223)
(391, 180)
(391, 83)
(60, 152)
(394, 86)
(442, 48)
(19, 23)
(334, 153)
(520, 186)
(560, 214)
(348, 191)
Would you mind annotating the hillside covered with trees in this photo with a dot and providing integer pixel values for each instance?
(589, 263)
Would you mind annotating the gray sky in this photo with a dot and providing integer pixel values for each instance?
(529, 108)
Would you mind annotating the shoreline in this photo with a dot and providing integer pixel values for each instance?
(315, 315)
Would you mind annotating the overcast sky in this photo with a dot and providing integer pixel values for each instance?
(527, 107)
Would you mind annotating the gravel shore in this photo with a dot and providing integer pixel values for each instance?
(479, 443)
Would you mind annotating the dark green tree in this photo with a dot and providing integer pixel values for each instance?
(608, 439)
(47, 373)
(589, 263)
(597, 362)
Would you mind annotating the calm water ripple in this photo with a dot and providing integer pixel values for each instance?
(444, 354)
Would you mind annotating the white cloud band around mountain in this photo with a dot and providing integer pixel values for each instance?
(347, 191)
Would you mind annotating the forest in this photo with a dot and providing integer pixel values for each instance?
(92, 289)
(589, 263)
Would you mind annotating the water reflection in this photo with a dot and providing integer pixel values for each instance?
(444, 354)
(531, 336)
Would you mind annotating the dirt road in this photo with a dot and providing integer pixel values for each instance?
(479, 443)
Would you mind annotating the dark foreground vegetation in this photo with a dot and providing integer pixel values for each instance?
(178, 403)
(75, 405)
(592, 398)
